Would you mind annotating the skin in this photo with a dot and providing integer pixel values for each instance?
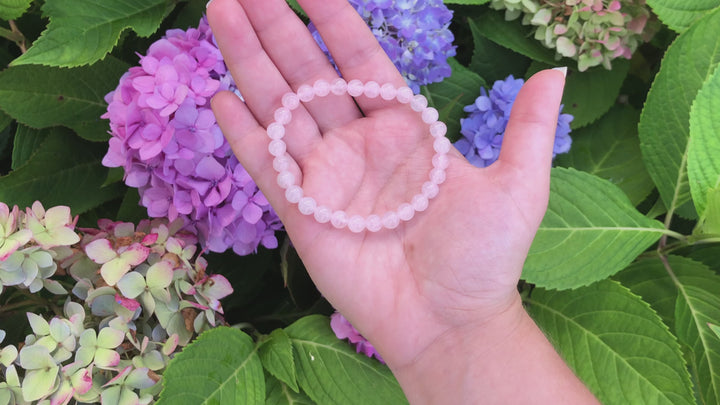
(436, 296)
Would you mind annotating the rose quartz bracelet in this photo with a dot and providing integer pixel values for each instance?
(340, 219)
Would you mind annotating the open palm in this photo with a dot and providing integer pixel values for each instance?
(456, 263)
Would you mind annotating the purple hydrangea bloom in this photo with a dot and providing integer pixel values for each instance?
(165, 137)
(414, 34)
(344, 330)
(484, 127)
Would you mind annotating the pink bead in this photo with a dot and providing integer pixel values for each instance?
(391, 220)
(388, 91)
(277, 147)
(404, 94)
(437, 176)
(430, 115)
(290, 101)
(307, 205)
(430, 190)
(418, 102)
(283, 115)
(281, 163)
(285, 179)
(405, 211)
(338, 87)
(322, 88)
(305, 93)
(293, 194)
(441, 161)
(419, 202)
(373, 223)
(442, 145)
(438, 129)
(356, 224)
(372, 89)
(275, 131)
(323, 214)
(355, 88)
(339, 219)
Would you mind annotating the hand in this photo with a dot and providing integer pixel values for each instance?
(453, 265)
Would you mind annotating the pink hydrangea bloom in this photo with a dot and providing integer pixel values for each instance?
(344, 330)
(165, 137)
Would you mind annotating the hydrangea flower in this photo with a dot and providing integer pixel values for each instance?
(484, 127)
(414, 34)
(593, 32)
(165, 137)
(344, 330)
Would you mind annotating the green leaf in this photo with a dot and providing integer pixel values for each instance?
(451, 95)
(220, 367)
(82, 32)
(715, 329)
(665, 121)
(514, 36)
(711, 224)
(12, 9)
(680, 14)
(295, 6)
(492, 61)
(276, 354)
(278, 393)
(604, 86)
(469, 2)
(610, 148)
(707, 254)
(63, 170)
(41, 97)
(615, 343)
(703, 162)
(27, 142)
(331, 372)
(590, 231)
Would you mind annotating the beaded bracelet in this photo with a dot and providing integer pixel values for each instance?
(355, 88)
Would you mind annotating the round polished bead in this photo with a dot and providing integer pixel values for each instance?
(283, 115)
(285, 179)
(355, 88)
(356, 223)
(339, 219)
(338, 87)
(441, 161)
(293, 194)
(373, 223)
(430, 190)
(372, 89)
(442, 145)
(406, 211)
(321, 87)
(391, 220)
(323, 214)
(404, 94)
(307, 205)
(281, 163)
(430, 115)
(438, 129)
(305, 93)
(419, 202)
(388, 91)
(437, 176)
(275, 131)
(418, 102)
(277, 147)
(290, 101)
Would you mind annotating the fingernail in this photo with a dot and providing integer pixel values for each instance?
(562, 69)
(208, 3)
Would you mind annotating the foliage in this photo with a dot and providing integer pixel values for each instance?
(622, 276)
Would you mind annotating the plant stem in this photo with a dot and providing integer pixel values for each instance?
(14, 34)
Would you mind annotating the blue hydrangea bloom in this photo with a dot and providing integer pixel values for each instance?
(488, 116)
(414, 34)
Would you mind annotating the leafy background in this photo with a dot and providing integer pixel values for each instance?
(623, 274)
